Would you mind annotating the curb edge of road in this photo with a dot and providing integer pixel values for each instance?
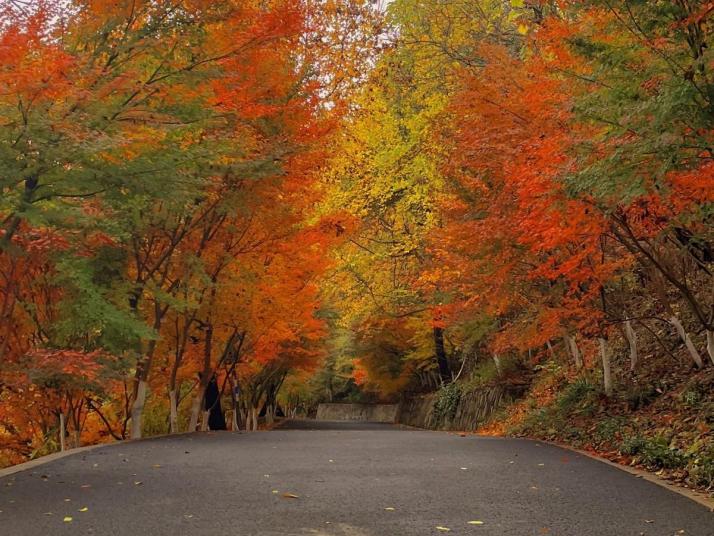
(42, 460)
(38, 462)
(693, 495)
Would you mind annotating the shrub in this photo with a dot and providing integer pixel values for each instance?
(654, 453)
(447, 402)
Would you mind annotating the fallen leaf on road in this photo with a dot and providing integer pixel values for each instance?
(464, 468)
(390, 509)
(156, 465)
(275, 491)
(475, 523)
(85, 486)
(138, 483)
(67, 519)
(443, 529)
(290, 496)
(85, 509)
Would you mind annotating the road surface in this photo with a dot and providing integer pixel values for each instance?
(339, 480)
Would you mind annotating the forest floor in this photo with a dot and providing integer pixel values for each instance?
(660, 419)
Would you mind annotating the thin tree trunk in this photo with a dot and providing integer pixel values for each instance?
(62, 430)
(687, 341)
(710, 344)
(234, 421)
(173, 419)
(574, 351)
(497, 362)
(632, 341)
(204, 422)
(196, 406)
(440, 351)
(606, 374)
(550, 348)
(137, 410)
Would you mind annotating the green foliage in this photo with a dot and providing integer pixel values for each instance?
(447, 402)
(578, 398)
(655, 453)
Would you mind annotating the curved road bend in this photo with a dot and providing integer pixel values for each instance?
(335, 479)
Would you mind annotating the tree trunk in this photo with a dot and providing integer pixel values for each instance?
(205, 416)
(254, 414)
(574, 351)
(137, 410)
(62, 431)
(196, 406)
(606, 374)
(632, 340)
(497, 362)
(687, 341)
(173, 418)
(444, 372)
(710, 344)
(550, 348)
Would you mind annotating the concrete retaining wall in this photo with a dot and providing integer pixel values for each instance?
(358, 412)
(471, 410)
(467, 412)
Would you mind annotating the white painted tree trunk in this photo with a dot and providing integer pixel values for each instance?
(204, 421)
(632, 340)
(254, 412)
(137, 410)
(574, 351)
(606, 373)
(710, 344)
(497, 362)
(196, 409)
(173, 418)
(687, 341)
(62, 429)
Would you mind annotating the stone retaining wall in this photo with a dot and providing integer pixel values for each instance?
(467, 412)
(358, 412)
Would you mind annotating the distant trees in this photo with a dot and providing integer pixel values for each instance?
(570, 197)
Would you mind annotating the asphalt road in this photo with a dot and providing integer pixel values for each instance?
(345, 480)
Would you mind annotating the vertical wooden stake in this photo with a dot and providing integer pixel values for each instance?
(63, 445)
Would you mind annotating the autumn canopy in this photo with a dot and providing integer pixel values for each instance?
(258, 205)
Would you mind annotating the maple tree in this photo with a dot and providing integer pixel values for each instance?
(269, 203)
